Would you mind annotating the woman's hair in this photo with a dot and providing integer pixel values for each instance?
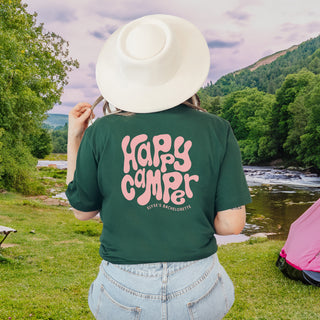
(193, 102)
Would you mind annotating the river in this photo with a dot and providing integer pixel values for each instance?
(279, 197)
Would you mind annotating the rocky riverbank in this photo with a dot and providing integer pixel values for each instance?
(270, 175)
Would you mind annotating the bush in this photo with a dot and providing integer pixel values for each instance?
(40, 144)
(18, 168)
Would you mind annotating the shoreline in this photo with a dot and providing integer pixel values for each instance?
(223, 240)
(258, 237)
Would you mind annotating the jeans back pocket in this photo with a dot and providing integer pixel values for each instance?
(109, 309)
(214, 304)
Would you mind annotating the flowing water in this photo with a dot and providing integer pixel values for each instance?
(279, 197)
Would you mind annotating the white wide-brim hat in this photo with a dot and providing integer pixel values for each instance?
(152, 64)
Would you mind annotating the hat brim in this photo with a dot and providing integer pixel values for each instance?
(143, 98)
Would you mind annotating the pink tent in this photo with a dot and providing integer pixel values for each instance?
(300, 256)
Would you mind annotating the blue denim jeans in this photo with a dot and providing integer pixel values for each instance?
(198, 289)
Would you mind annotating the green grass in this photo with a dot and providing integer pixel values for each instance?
(48, 273)
(53, 180)
(262, 291)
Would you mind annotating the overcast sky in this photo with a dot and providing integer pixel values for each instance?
(238, 32)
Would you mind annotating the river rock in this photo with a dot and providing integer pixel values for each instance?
(259, 235)
(234, 238)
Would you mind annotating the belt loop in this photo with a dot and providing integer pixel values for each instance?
(165, 272)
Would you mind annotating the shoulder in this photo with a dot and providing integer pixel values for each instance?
(210, 119)
(98, 130)
(216, 119)
(102, 124)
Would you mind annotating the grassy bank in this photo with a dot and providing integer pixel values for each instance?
(47, 271)
(262, 292)
(46, 274)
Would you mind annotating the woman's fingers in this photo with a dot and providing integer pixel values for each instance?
(79, 109)
(85, 115)
(79, 119)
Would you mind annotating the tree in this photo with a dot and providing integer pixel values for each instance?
(281, 117)
(211, 104)
(299, 114)
(308, 149)
(248, 111)
(313, 62)
(40, 144)
(60, 139)
(33, 71)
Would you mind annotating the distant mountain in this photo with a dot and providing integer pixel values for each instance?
(268, 73)
(56, 120)
(270, 59)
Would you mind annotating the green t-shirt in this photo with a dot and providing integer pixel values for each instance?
(158, 180)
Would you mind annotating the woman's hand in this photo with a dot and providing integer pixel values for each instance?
(79, 117)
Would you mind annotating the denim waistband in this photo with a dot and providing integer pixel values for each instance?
(149, 280)
(156, 269)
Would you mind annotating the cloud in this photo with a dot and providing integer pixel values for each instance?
(127, 10)
(223, 44)
(223, 39)
(126, 16)
(288, 27)
(294, 32)
(98, 34)
(92, 71)
(63, 16)
(55, 13)
(238, 15)
(111, 29)
(313, 27)
(103, 33)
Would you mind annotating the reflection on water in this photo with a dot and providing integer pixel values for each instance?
(279, 197)
(275, 207)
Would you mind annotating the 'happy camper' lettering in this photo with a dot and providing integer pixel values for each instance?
(159, 167)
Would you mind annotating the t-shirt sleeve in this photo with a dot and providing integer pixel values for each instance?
(83, 192)
(232, 188)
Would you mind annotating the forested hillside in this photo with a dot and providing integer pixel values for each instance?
(274, 109)
(269, 77)
(56, 120)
